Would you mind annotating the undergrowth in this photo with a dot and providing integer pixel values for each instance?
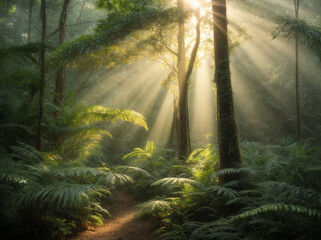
(278, 198)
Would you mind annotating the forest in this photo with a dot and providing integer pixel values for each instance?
(160, 120)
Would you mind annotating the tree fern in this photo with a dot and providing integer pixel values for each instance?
(307, 34)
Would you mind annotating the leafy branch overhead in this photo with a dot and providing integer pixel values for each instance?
(307, 34)
(124, 6)
(94, 114)
(113, 29)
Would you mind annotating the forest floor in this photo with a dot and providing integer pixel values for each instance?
(124, 223)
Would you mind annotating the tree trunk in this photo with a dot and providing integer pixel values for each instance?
(174, 127)
(190, 69)
(29, 19)
(298, 114)
(183, 76)
(60, 76)
(229, 152)
(183, 149)
(42, 73)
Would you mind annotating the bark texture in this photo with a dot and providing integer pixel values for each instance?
(183, 148)
(183, 76)
(60, 76)
(229, 152)
(298, 111)
(175, 126)
(42, 73)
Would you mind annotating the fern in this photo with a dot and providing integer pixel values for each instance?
(79, 171)
(134, 171)
(25, 151)
(228, 171)
(154, 207)
(215, 230)
(277, 207)
(223, 191)
(93, 114)
(111, 179)
(61, 194)
(292, 28)
(170, 182)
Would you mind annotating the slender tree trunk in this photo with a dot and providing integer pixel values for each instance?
(227, 132)
(298, 114)
(190, 69)
(42, 73)
(81, 10)
(183, 76)
(183, 150)
(60, 76)
(29, 19)
(174, 127)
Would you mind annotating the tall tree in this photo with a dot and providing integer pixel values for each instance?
(60, 76)
(183, 75)
(29, 19)
(183, 149)
(42, 73)
(229, 152)
(298, 114)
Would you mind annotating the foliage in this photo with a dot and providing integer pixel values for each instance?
(279, 199)
(307, 34)
(125, 6)
(115, 28)
(52, 194)
(48, 195)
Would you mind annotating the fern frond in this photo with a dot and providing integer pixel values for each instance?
(95, 219)
(170, 182)
(154, 206)
(307, 34)
(27, 152)
(23, 50)
(277, 207)
(60, 194)
(79, 171)
(15, 172)
(111, 179)
(215, 230)
(93, 114)
(228, 171)
(14, 127)
(134, 170)
(97, 207)
(137, 152)
(223, 191)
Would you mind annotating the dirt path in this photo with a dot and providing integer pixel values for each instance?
(124, 224)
